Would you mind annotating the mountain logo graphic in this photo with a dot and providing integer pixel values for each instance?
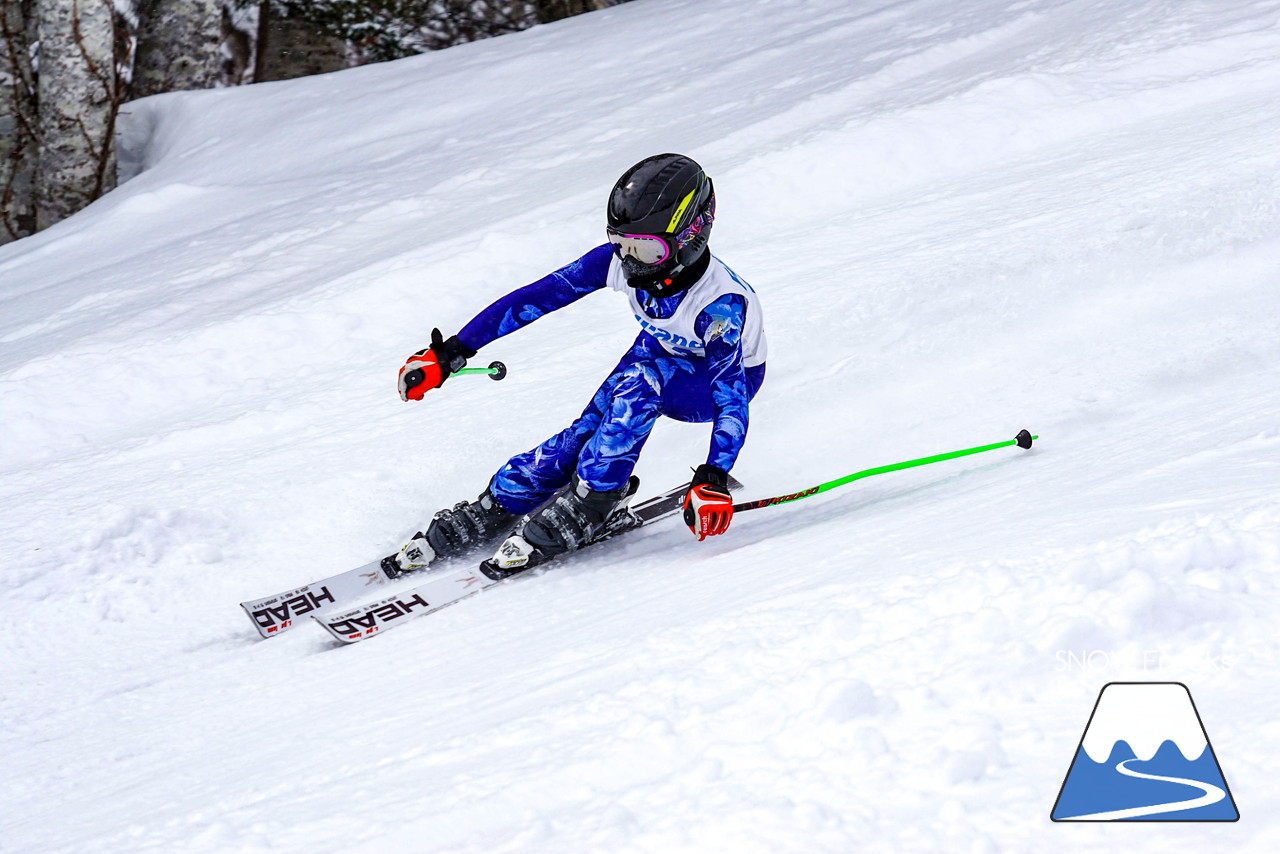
(1145, 756)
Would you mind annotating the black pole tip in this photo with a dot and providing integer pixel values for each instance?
(500, 372)
(1023, 439)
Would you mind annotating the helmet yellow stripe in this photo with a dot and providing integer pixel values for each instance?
(684, 204)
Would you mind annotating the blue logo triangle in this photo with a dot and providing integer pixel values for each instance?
(1145, 756)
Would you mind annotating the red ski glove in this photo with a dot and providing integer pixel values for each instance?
(708, 506)
(429, 368)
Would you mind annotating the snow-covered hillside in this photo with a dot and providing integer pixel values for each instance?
(964, 217)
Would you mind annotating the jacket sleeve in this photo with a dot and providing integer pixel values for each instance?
(525, 305)
(720, 326)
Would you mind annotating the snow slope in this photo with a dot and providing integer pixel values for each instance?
(963, 217)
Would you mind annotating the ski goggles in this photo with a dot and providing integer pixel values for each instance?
(653, 249)
(648, 249)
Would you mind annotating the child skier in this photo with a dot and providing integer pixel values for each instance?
(700, 357)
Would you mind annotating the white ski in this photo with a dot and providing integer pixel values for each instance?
(357, 624)
(276, 614)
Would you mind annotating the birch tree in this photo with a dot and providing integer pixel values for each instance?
(177, 46)
(18, 123)
(79, 94)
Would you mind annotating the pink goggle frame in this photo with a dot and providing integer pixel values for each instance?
(651, 249)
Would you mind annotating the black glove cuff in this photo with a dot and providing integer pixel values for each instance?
(452, 354)
(466, 351)
(710, 475)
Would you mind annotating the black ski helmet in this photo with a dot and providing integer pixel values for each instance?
(659, 219)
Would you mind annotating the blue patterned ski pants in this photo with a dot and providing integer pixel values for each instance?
(604, 442)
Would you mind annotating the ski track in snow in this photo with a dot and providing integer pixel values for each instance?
(963, 218)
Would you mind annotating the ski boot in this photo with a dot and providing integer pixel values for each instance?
(464, 528)
(576, 517)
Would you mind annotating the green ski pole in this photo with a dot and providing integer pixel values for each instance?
(496, 370)
(1022, 440)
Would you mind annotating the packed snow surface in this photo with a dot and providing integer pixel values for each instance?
(963, 217)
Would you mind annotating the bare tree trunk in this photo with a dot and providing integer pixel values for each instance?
(177, 46)
(236, 55)
(18, 122)
(79, 97)
(294, 47)
(261, 44)
(555, 10)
